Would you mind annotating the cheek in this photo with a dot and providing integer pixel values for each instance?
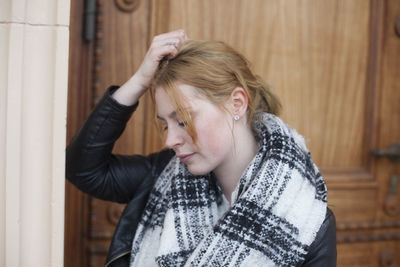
(215, 139)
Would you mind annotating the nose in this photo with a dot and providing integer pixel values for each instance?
(174, 138)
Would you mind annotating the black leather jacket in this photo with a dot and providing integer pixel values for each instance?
(92, 167)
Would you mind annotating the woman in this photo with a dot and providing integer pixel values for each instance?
(234, 187)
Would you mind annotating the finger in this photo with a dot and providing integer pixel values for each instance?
(160, 52)
(177, 38)
(172, 40)
(173, 34)
(175, 42)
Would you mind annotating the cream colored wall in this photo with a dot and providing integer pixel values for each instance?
(33, 96)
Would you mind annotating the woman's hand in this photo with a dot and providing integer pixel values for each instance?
(163, 45)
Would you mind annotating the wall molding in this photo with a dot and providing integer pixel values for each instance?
(33, 86)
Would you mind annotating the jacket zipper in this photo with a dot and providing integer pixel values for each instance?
(116, 258)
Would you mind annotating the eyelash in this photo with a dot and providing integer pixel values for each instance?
(180, 124)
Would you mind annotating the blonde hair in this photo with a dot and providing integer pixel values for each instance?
(215, 70)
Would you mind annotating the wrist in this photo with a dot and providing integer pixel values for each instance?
(130, 92)
(136, 85)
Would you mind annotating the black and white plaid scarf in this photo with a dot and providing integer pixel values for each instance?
(278, 208)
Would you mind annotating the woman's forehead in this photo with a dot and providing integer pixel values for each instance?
(166, 105)
(181, 88)
(184, 96)
(187, 95)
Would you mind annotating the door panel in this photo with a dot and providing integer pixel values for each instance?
(313, 54)
(335, 66)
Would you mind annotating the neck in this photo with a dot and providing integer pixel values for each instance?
(229, 173)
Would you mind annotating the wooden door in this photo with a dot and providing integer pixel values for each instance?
(335, 65)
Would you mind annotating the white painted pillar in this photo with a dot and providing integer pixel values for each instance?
(34, 38)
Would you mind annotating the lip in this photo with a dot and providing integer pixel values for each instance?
(185, 157)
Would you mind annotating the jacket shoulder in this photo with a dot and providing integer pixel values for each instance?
(322, 251)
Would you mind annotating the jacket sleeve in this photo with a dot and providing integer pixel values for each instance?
(92, 167)
(323, 250)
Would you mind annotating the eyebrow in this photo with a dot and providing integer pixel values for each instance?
(173, 114)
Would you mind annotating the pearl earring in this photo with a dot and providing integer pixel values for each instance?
(236, 117)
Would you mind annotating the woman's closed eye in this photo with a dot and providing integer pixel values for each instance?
(182, 124)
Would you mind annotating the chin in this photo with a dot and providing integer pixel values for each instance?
(198, 171)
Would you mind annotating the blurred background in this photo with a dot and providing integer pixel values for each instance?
(335, 64)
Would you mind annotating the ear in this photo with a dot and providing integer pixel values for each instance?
(239, 102)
